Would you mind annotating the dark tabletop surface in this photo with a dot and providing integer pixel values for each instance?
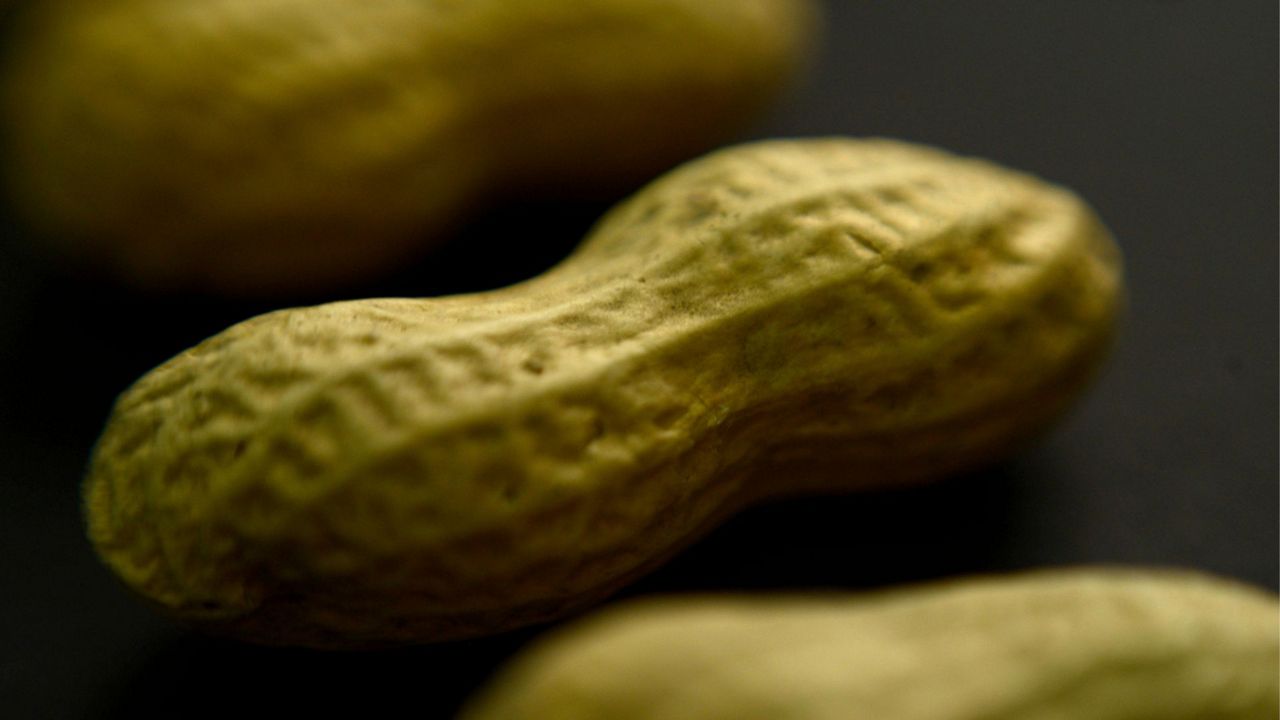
(1163, 114)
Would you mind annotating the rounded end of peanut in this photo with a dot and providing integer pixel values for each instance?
(1103, 643)
(144, 520)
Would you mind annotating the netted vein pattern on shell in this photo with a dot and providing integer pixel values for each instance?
(904, 309)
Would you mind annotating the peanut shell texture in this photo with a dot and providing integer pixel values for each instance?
(1082, 643)
(273, 146)
(780, 318)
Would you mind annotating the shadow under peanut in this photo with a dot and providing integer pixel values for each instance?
(857, 541)
(72, 338)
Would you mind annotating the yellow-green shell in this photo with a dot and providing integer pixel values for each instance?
(1081, 644)
(778, 318)
(259, 145)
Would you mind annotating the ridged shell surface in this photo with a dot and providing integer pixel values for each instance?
(778, 318)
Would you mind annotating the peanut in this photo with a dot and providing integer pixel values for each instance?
(249, 146)
(778, 318)
(1097, 644)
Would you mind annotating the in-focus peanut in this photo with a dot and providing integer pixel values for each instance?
(259, 145)
(1098, 644)
(779, 318)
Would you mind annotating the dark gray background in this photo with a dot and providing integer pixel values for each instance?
(1162, 114)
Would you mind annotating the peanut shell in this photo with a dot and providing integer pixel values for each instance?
(1101, 644)
(781, 318)
(260, 146)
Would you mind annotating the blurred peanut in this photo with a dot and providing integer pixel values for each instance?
(266, 145)
(1099, 644)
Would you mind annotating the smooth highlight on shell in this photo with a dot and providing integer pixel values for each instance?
(1102, 644)
(780, 318)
